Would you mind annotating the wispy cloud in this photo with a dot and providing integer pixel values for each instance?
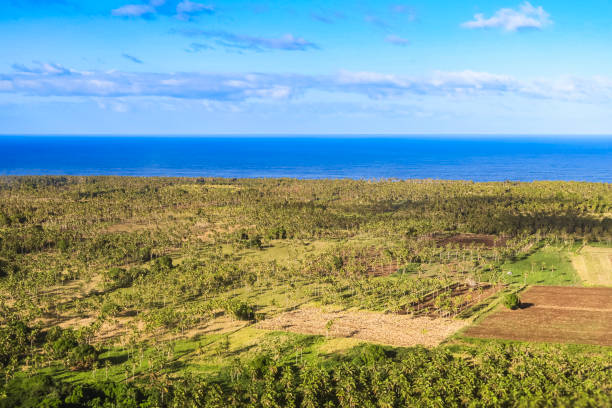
(288, 42)
(525, 17)
(134, 10)
(327, 16)
(183, 10)
(404, 9)
(55, 80)
(43, 68)
(186, 9)
(376, 21)
(397, 40)
(132, 58)
(197, 47)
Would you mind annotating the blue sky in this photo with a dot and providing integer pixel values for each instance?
(367, 67)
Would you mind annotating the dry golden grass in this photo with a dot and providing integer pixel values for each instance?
(391, 329)
(594, 265)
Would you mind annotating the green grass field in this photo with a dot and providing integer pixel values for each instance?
(548, 266)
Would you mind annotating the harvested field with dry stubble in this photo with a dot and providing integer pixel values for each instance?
(553, 314)
(391, 329)
(594, 265)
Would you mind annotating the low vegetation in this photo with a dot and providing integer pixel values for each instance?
(181, 292)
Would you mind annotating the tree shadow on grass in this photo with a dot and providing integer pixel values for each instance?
(114, 360)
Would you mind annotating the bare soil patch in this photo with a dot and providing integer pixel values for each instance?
(553, 314)
(468, 240)
(383, 270)
(462, 296)
(392, 329)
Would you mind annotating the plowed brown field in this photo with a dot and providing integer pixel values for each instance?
(553, 314)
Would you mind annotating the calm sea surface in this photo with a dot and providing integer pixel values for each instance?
(478, 159)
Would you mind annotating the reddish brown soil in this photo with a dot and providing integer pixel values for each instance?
(553, 314)
(383, 270)
(479, 293)
(467, 240)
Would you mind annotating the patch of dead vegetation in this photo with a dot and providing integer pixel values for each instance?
(470, 240)
(464, 295)
(391, 329)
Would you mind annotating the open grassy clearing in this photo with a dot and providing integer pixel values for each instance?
(550, 265)
(594, 265)
(553, 314)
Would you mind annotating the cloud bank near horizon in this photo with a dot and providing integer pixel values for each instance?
(46, 79)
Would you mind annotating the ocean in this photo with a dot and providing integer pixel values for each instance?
(465, 158)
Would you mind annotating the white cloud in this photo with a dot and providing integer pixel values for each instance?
(525, 17)
(397, 40)
(287, 42)
(183, 9)
(53, 80)
(186, 9)
(134, 10)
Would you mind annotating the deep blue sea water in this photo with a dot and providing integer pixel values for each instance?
(478, 159)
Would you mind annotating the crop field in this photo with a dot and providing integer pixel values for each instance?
(553, 314)
(594, 265)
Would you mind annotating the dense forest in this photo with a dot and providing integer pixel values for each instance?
(148, 292)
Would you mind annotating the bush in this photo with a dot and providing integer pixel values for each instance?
(277, 233)
(372, 354)
(5, 220)
(82, 357)
(62, 245)
(119, 278)
(337, 262)
(64, 345)
(163, 263)
(512, 301)
(14, 338)
(254, 242)
(110, 309)
(240, 310)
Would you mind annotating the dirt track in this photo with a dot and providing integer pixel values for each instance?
(553, 314)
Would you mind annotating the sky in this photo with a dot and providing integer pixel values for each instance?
(305, 67)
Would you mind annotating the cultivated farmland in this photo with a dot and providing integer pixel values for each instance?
(553, 314)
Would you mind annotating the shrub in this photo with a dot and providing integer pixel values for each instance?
(163, 263)
(337, 262)
(372, 354)
(63, 344)
(5, 220)
(512, 301)
(254, 242)
(14, 336)
(144, 254)
(277, 233)
(240, 310)
(62, 245)
(110, 309)
(82, 357)
(119, 278)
